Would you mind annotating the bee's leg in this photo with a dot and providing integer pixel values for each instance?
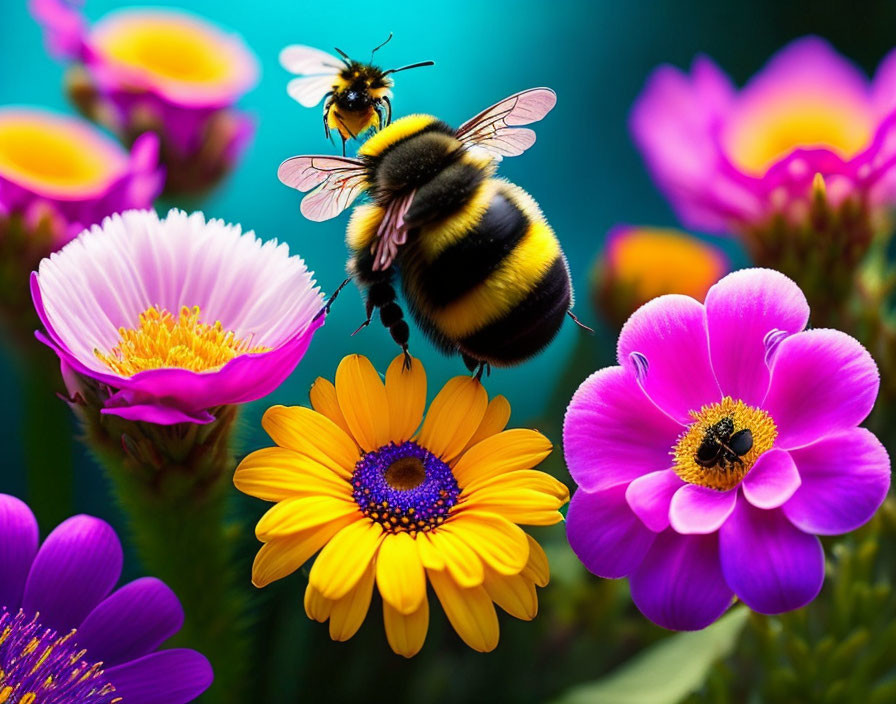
(381, 295)
(328, 133)
(388, 111)
(579, 322)
(326, 309)
(476, 366)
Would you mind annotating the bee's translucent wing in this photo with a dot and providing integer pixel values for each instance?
(308, 91)
(334, 183)
(308, 61)
(498, 130)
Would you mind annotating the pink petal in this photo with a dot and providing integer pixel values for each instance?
(664, 343)
(649, 497)
(741, 310)
(699, 510)
(821, 381)
(845, 476)
(607, 411)
(768, 562)
(772, 480)
(603, 532)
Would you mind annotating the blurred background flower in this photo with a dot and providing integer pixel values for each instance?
(355, 480)
(639, 263)
(68, 635)
(162, 71)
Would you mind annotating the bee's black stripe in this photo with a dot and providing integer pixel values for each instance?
(468, 262)
(445, 194)
(372, 161)
(529, 326)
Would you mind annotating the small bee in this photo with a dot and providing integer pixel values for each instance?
(358, 95)
(481, 269)
(722, 447)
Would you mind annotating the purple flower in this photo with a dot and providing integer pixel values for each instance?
(171, 319)
(64, 169)
(724, 442)
(727, 159)
(165, 71)
(94, 645)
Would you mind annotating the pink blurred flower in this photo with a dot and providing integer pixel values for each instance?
(62, 169)
(172, 319)
(166, 71)
(728, 159)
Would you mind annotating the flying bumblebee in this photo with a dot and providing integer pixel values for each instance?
(358, 95)
(481, 269)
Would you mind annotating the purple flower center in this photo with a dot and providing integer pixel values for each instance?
(404, 487)
(38, 665)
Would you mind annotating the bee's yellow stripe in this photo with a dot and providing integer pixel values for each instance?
(362, 226)
(398, 130)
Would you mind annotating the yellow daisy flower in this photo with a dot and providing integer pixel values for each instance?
(391, 505)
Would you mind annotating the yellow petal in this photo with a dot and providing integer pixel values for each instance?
(323, 400)
(507, 451)
(524, 506)
(406, 633)
(362, 398)
(515, 594)
(276, 473)
(470, 611)
(283, 556)
(345, 558)
(312, 434)
(399, 573)
(429, 554)
(454, 415)
(499, 543)
(317, 608)
(348, 613)
(537, 569)
(406, 391)
(294, 515)
(459, 558)
(494, 421)
(521, 479)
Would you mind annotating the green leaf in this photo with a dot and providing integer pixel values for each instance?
(668, 671)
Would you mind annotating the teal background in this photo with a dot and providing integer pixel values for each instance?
(583, 171)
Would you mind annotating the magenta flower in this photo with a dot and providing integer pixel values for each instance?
(727, 159)
(724, 442)
(165, 71)
(171, 319)
(61, 168)
(68, 637)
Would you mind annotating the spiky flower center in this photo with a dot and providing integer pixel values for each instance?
(38, 666)
(162, 340)
(723, 443)
(404, 488)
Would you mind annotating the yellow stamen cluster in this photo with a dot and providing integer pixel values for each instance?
(162, 340)
(724, 475)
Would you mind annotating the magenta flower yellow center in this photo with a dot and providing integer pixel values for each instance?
(404, 488)
(162, 340)
(38, 666)
(723, 443)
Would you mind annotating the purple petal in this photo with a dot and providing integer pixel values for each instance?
(131, 622)
(18, 545)
(769, 563)
(741, 310)
(649, 497)
(605, 534)
(75, 568)
(699, 510)
(670, 333)
(821, 381)
(845, 480)
(606, 412)
(772, 480)
(124, 405)
(166, 677)
(679, 584)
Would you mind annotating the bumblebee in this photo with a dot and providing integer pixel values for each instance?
(358, 95)
(481, 269)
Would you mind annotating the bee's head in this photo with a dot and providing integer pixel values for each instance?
(357, 96)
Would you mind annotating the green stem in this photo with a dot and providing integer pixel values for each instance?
(173, 483)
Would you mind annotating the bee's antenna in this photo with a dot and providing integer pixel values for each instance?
(342, 53)
(388, 39)
(405, 68)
